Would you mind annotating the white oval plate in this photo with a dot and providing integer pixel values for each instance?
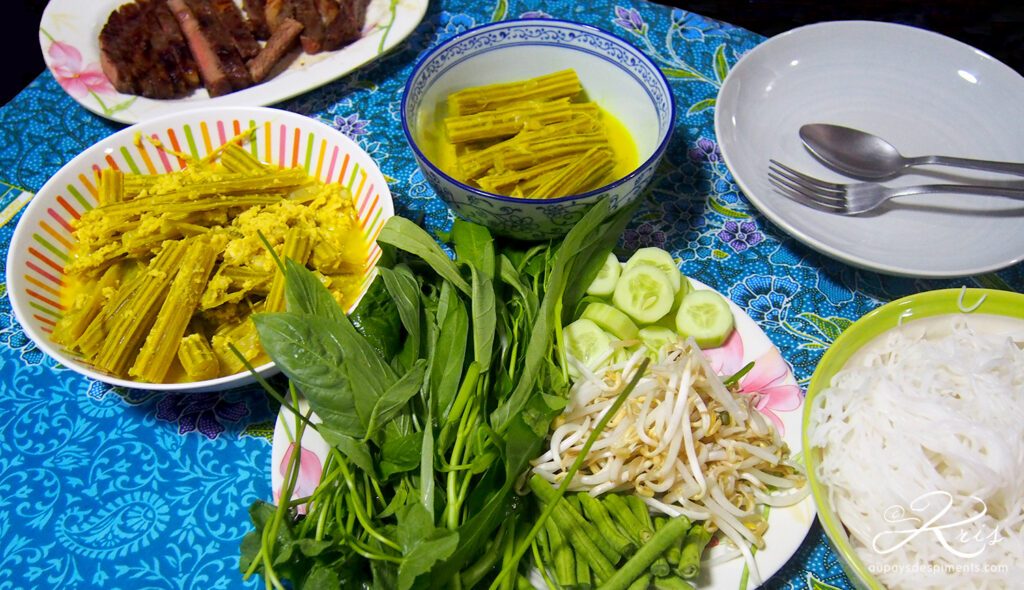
(69, 36)
(787, 527)
(925, 93)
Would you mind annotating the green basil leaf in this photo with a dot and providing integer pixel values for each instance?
(353, 449)
(321, 577)
(396, 396)
(400, 454)
(304, 293)
(427, 465)
(376, 318)
(423, 544)
(369, 374)
(474, 245)
(405, 291)
(510, 276)
(406, 235)
(260, 512)
(485, 319)
(448, 362)
(311, 356)
(385, 575)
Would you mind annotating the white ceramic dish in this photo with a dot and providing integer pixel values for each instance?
(43, 238)
(69, 36)
(787, 527)
(925, 93)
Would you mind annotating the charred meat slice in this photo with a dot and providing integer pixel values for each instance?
(210, 69)
(220, 41)
(279, 44)
(347, 24)
(256, 11)
(186, 66)
(140, 55)
(313, 27)
(115, 41)
(275, 11)
(231, 19)
(166, 48)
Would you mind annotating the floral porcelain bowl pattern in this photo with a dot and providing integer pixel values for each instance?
(614, 74)
(44, 237)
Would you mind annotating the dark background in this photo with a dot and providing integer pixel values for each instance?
(994, 26)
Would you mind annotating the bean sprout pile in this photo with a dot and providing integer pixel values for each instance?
(683, 442)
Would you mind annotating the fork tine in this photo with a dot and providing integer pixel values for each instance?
(815, 193)
(803, 198)
(801, 178)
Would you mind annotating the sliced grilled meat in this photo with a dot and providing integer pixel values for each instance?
(256, 11)
(166, 48)
(223, 47)
(185, 74)
(313, 27)
(231, 19)
(275, 11)
(279, 44)
(347, 24)
(210, 69)
(142, 56)
(115, 40)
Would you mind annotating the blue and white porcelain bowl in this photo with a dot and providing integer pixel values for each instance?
(614, 74)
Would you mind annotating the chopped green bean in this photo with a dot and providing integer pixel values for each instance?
(561, 555)
(696, 540)
(598, 514)
(641, 561)
(672, 583)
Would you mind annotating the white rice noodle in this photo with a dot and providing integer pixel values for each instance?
(928, 421)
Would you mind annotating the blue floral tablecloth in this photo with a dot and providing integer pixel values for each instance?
(114, 488)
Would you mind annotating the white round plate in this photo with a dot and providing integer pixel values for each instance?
(787, 527)
(926, 94)
(69, 35)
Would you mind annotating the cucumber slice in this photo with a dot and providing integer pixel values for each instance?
(684, 288)
(603, 284)
(657, 337)
(611, 320)
(644, 293)
(669, 321)
(659, 259)
(586, 341)
(705, 315)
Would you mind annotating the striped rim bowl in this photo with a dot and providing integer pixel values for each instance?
(44, 235)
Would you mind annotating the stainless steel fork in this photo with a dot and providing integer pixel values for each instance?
(861, 197)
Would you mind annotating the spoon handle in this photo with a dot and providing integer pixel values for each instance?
(988, 165)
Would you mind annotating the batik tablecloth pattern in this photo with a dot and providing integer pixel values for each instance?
(114, 488)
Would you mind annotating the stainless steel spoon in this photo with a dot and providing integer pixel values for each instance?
(862, 155)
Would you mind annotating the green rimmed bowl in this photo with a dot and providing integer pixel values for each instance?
(864, 331)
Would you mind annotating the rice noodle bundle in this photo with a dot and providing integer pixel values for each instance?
(682, 441)
(929, 424)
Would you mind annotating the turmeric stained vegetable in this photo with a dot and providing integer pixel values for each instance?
(533, 139)
(168, 269)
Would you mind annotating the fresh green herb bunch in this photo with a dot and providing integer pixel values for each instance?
(434, 395)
